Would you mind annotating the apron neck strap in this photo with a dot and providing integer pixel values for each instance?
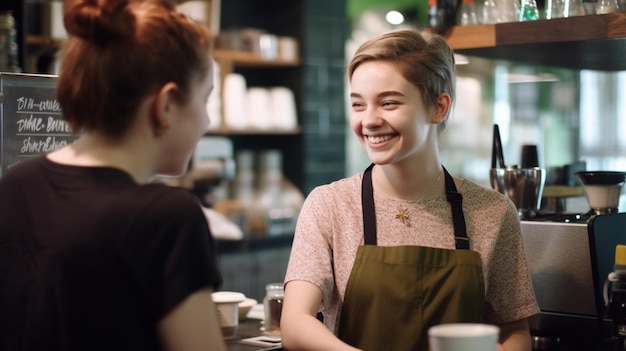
(456, 202)
(367, 203)
(452, 195)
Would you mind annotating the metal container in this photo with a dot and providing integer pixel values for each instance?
(524, 186)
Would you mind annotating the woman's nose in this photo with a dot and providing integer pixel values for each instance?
(371, 118)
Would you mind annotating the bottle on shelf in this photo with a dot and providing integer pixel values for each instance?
(528, 11)
(554, 9)
(442, 15)
(467, 13)
(573, 8)
(508, 11)
(244, 189)
(606, 6)
(433, 20)
(277, 203)
(490, 12)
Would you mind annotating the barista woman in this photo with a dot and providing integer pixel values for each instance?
(388, 253)
(92, 256)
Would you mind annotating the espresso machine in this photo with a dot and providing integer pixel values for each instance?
(570, 258)
(570, 255)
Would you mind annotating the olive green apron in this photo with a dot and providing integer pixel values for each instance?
(394, 294)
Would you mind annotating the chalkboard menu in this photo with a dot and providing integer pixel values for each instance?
(30, 118)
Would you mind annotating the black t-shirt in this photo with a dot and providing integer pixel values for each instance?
(90, 260)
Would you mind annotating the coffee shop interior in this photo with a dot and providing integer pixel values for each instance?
(553, 84)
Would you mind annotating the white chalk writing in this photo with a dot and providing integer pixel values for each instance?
(31, 145)
(37, 124)
(30, 124)
(57, 125)
(29, 104)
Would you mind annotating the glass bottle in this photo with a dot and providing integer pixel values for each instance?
(573, 8)
(528, 11)
(433, 21)
(467, 13)
(508, 11)
(274, 208)
(554, 9)
(490, 12)
(273, 305)
(606, 6)
(244, 190)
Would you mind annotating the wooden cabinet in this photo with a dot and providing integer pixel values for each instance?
(596, 42)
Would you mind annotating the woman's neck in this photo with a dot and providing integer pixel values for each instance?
(409, 183)
(91, 150)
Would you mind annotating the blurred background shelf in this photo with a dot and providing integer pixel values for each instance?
(250, 131)
(595, 42)
(249, 59)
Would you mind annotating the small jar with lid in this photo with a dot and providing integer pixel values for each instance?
(273, 305)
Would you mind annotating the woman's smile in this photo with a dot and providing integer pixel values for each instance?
(378, 139)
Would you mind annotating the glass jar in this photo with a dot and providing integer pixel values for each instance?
(273, 305)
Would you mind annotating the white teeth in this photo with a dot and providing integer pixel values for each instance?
(379, 139)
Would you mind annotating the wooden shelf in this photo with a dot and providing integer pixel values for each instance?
(249, 59)
(37, 40)
(595, 42)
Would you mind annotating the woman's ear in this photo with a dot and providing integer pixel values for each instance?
(162, 108)
(442, 108)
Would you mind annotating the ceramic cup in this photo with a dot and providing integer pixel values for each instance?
(235, 101)
(227, 303)
(463, 337)
(284, 115)
(259, 108)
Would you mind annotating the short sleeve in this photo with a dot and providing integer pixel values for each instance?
(180, 255)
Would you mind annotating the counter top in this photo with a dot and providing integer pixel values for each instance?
(247, 328)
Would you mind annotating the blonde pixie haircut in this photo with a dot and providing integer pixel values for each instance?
(425, 60)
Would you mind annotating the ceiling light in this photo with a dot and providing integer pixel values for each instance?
(394, 17)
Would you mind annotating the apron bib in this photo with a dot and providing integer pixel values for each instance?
(394, 294)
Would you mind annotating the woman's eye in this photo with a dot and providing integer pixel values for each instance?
(388, 103)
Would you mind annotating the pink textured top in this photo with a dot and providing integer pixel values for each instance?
(330, 230)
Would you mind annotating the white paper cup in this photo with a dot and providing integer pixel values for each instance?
(463, 337)
(227, 303)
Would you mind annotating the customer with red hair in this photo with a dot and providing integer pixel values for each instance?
(92, 255)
